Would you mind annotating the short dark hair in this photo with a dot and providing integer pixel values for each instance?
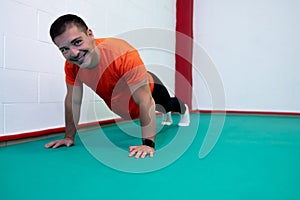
(60, 24)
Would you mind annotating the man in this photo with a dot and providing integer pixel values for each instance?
(114, 70)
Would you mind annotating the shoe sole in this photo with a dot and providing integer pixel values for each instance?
(183, 124)
(166, 123)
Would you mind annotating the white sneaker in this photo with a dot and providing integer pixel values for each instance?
(167, 119)
(185, 118)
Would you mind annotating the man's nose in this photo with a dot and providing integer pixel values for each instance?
(74, 52)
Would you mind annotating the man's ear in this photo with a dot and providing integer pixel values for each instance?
(90, 33)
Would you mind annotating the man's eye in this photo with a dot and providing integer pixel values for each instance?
(63, 50)
(77, 42)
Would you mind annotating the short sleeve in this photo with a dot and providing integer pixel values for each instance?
(71, 72)
(135, 69)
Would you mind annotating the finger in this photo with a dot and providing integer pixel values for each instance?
(151, 154)
(70, 143)
(50, 144)
(131, 148)
(144, 154)
(132, 153)
(57, 144)
(138, 154)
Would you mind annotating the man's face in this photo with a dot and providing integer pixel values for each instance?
(78, 47)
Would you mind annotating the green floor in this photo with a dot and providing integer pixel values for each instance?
(256, 157)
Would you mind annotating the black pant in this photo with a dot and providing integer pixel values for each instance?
(164, 102)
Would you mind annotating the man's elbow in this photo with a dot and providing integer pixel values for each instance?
(147, 102)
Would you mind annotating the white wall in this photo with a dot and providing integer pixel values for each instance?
(31, 68)
(254, 45)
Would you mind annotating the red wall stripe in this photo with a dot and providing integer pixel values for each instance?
(184, 50)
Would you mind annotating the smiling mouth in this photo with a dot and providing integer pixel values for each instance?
(79, 60)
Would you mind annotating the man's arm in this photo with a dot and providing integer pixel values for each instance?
(72, 113)
(142, 96)
(72, 109)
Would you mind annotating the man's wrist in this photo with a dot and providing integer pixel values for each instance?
(149, 143)
(70, 137)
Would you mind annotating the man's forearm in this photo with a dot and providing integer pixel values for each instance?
(148, 120)
(72, 113)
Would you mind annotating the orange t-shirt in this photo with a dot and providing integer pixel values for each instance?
(120, 68)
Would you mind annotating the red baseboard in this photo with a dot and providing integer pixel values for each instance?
(279, 113)
(53, 130)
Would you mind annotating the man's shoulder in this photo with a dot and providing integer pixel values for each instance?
(70, 67)
(110, 39)
(113, 43)
(99, 40)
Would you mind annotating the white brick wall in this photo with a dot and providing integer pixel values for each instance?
(32, 87)
(1, 119)
(18, 19)
(23, 117)
(1, 51)
(18, 86)
(43, 26)
(254, 46)
(53, 7)
(32, 55)
(52, 88)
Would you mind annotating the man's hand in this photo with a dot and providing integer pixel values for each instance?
(141, 151)
(57, 143)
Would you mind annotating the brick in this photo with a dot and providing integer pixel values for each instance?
(27, 117)
(18, 19)
(18, 86)
(52, 88)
